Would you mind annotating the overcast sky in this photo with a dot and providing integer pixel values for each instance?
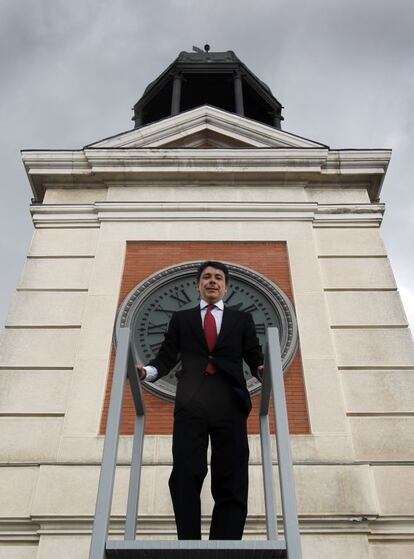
(70, 72)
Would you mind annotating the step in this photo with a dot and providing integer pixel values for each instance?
(204, 549)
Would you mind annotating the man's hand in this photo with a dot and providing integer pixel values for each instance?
(142, 373)
(259, 372)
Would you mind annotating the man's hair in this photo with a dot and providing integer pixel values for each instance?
(213, 264)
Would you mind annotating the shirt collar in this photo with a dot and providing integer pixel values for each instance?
(204, 304)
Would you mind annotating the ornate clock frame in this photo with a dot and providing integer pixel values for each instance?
(149, 305)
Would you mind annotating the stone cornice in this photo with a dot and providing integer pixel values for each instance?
(188, 123)
(97, 166)
(384, 528)
(191, 160)
(94, 214)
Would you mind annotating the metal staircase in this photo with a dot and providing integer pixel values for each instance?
(131, 548)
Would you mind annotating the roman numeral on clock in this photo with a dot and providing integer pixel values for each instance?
(154, 329)
(181, 297)
(260, 328)
(155, 347)
(240, 307)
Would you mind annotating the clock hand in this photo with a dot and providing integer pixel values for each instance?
(167, 311)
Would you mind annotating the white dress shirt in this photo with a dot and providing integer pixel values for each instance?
(217, 312)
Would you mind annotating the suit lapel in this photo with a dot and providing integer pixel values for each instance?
(197, 326)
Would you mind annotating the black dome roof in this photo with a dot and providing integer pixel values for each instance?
(202, 77)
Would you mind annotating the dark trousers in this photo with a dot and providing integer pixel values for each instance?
(215, 412)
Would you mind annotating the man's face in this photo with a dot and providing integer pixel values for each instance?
(212, 284)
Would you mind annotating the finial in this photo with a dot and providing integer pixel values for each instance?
(200, 51)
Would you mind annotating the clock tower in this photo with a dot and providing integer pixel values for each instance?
(120, 225)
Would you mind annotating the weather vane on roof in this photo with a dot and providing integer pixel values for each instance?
(201, 51)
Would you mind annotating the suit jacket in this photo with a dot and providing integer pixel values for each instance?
(185, 340)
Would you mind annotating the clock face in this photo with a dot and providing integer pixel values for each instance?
(149, 306)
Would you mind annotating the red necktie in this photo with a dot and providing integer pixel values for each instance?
(210, 332)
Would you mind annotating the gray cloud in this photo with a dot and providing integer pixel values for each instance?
(71, 72)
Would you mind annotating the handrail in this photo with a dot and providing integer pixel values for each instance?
(272, 385)
(124, 367)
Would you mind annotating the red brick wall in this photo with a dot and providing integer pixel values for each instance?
(267, 258)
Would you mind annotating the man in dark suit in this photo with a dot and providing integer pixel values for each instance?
(212, 401)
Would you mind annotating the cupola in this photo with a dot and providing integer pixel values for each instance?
(203, 77)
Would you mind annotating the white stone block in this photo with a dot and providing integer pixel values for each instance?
(95, 340)
(395, 489)
(366, 308)
(84, 449)
(212, 230)
(85, 399)
(155, 496)
(357, 273)
(74, 195)
(17, 486)
(61, 546)
(64, 242)
(38, 348)
(383, 438)
(337, 195)
(108, 267)
(349, 241)
(157, 449)
(334, 490)
(29, 439)
(381, 391)
(200, 193)
(304, 265)
(68, 490)
(256, 503)
(56, 273)
(338, 546)
(315, 342)
(87, 448)
(378, 347)
(33, 392)
(323, 385)
(46, 308)
(326, 448)
(23, 550)
(392, 549)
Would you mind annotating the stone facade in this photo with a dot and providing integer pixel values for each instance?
(354, 471)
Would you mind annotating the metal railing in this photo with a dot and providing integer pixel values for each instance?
(274, 546)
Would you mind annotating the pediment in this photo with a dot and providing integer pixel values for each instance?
(206, 127)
